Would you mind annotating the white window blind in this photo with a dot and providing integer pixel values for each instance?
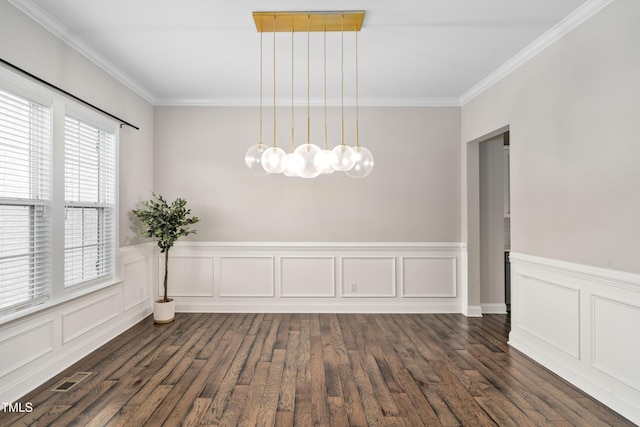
(25, 202)
(89, 203)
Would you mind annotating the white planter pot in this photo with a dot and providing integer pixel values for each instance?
(164, 312)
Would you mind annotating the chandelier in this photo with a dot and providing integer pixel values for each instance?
(309, 160)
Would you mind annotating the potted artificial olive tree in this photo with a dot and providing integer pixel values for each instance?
(165, 223)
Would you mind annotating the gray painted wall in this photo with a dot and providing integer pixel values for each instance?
(491, 222)
(413, 193)
(573, 116)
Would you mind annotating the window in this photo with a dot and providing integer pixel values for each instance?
(89, 177)
(25, 202)
(58, 203)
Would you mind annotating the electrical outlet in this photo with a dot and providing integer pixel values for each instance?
(354, 287)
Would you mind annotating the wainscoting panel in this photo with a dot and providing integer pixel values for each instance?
(85, 316)
(25, 345)
(137, 282)
(615, 349)
(308, 277)
(372, 276)
(559, 325)
(581, 322)
(189, 275)
(54, 335)
(317, 277)
(246, 276)
(441, 271)
(137, 273)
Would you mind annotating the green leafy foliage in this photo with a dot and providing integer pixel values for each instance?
(165, 222)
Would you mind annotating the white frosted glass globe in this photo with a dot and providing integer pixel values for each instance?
(253, 159)
(363, 163)
(292, 164)
(308, 153)
(272, 159)
(344, 158)
(322, 161)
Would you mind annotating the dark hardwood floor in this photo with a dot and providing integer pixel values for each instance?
(313, 369)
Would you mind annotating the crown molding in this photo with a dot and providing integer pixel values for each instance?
(569, 23)
(36, 13)
(409, 102)
(317, 102)
(576, 18)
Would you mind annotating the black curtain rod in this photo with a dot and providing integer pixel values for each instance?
(122, 122)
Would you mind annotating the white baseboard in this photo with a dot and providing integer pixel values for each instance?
(279, 307)
(499, 308)
(472, 311)
(580, 321)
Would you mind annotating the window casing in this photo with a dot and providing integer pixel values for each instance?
(25, 202)
(58, 199)
(89, 170)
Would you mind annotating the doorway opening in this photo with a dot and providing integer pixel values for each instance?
(488, 217)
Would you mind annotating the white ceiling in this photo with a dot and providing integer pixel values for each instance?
(206, 52)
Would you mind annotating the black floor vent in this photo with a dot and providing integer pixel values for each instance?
(71, 382)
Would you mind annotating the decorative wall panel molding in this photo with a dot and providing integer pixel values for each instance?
(136, 270)
(246, 276)
(307, 276)
(87, 316)
(189, 276)
(560, 304)
(137, 285)
(615, 350)
(318, 277)
(440, 270)
(43, 343)
(580, 322)
(24, 346)
(368, 276)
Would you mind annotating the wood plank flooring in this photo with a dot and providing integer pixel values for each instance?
(313, 369)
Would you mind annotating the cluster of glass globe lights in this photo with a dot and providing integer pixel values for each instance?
(308, 160)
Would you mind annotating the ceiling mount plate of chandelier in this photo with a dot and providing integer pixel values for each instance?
(309, 160)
